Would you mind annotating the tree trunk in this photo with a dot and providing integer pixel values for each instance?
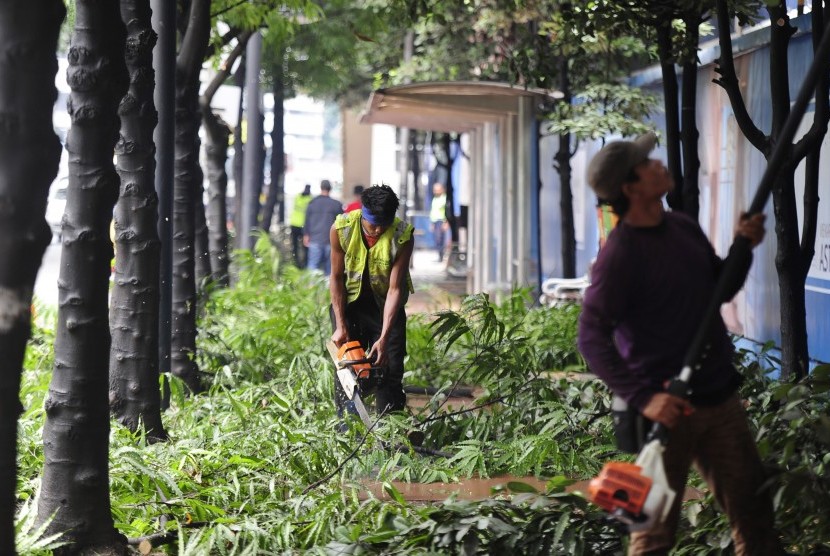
(134, 307)
(239, 149)
(794, 352)
(254, 146)
(29, 157)
(187, 184)
(450, 192)
(201, 241)
(217, 134)
(563, 166)
(690, 191)
(670, 103)
(276, 193)
(793, 255)
(164, 64)
(75, 484)
(415, 165)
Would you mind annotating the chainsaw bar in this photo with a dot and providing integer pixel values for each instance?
(347, 379)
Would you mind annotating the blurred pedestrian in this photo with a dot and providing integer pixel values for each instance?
(297, 221)
(438, 218)
(356, 203)
(319, 216)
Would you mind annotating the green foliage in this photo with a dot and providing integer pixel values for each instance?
(255, 465)
(604, 109)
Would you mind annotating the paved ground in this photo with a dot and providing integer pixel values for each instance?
(435, 289)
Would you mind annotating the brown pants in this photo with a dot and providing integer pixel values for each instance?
(717, 440)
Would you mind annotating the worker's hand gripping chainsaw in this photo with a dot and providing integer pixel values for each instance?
(638, 494)
(354, 372)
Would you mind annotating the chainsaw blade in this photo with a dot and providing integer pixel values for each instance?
(361, 409)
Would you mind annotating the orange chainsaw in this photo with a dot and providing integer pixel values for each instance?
(638, 494)
(354, 370)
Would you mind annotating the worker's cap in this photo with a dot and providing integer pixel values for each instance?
(325, 185)
(307, 189)
(615, 161)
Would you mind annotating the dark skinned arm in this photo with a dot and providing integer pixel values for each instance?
(394, 298)
(337, 287)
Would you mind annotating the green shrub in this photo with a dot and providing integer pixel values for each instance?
(254, 465)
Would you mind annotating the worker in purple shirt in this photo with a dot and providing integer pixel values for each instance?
(649, 288)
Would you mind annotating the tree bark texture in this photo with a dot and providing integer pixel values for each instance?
(254, 146)
(794, 351)
(75, 484)
(202, 251)
(187, 184)
(29, 157)
(134, 306)
(217, 134)
(563, 165)
(239, 150)
(792, 259)
(688, 122)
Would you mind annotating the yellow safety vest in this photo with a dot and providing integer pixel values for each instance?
(379, 258)
(438, 209)
(297, 218)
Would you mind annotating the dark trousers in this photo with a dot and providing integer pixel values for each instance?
(718, 442)
(365, 322)
(439, 236)
(298, 250)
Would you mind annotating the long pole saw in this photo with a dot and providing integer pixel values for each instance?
(639, 494)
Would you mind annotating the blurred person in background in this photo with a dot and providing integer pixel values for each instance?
(356, 203)
(438, 218)
(319, 216)
(297, 221)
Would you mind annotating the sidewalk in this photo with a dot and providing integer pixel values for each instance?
(435, 290)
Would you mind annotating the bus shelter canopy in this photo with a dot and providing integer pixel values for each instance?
(448, 106)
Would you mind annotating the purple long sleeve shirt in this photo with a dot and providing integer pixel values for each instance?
(649, 289)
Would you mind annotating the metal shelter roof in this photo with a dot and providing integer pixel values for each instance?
(449, 106)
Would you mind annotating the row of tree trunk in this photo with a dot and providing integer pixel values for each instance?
(106, 349)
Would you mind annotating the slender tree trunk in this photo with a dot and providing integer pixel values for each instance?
(276, 190)
(670, 102)
(689, 134)
(239, 149)
(793, 254)
(186, 186)
(563, 165)
(415, 165)
(29, 156)
(135, 397)
(449, 188)
(217, 134)
(164, 64)
(201, 233)
(75, 484)
(254, 146)
(794, 352)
